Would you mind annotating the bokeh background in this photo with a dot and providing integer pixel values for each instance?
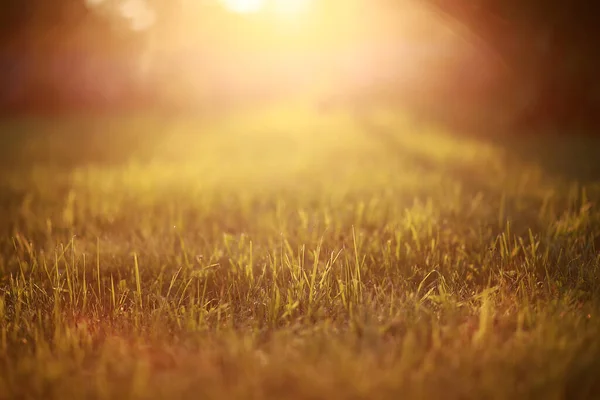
(481, 64)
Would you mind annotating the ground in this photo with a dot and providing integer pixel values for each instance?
(296, 254)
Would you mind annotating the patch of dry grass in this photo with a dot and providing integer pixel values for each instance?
(292, 255)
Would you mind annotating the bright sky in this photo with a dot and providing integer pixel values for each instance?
(281, 8)
(244, 6)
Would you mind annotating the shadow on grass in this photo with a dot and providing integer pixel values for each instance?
(571, 154)
(77, 141)
(575, 157)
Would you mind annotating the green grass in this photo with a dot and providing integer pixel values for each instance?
(285, 254)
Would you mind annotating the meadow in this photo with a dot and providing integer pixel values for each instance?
(296, 254)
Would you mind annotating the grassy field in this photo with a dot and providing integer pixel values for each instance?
(289, 254)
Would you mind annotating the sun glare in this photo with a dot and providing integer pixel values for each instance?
(291, 7)
(279, 7)
(244, 6)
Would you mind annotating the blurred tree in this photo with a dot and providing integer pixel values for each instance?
(548, 50)
(56, 42)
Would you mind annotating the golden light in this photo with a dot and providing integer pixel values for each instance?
(267, 50)
(244, 6)
(291, 7)
(283, 8)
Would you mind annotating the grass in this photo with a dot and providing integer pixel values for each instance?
(293, 255)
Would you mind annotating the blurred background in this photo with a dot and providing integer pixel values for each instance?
(477, 64)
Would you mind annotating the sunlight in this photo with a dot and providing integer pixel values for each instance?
(279, 7)
(139, 14)
(244, 6)
(291, 7)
